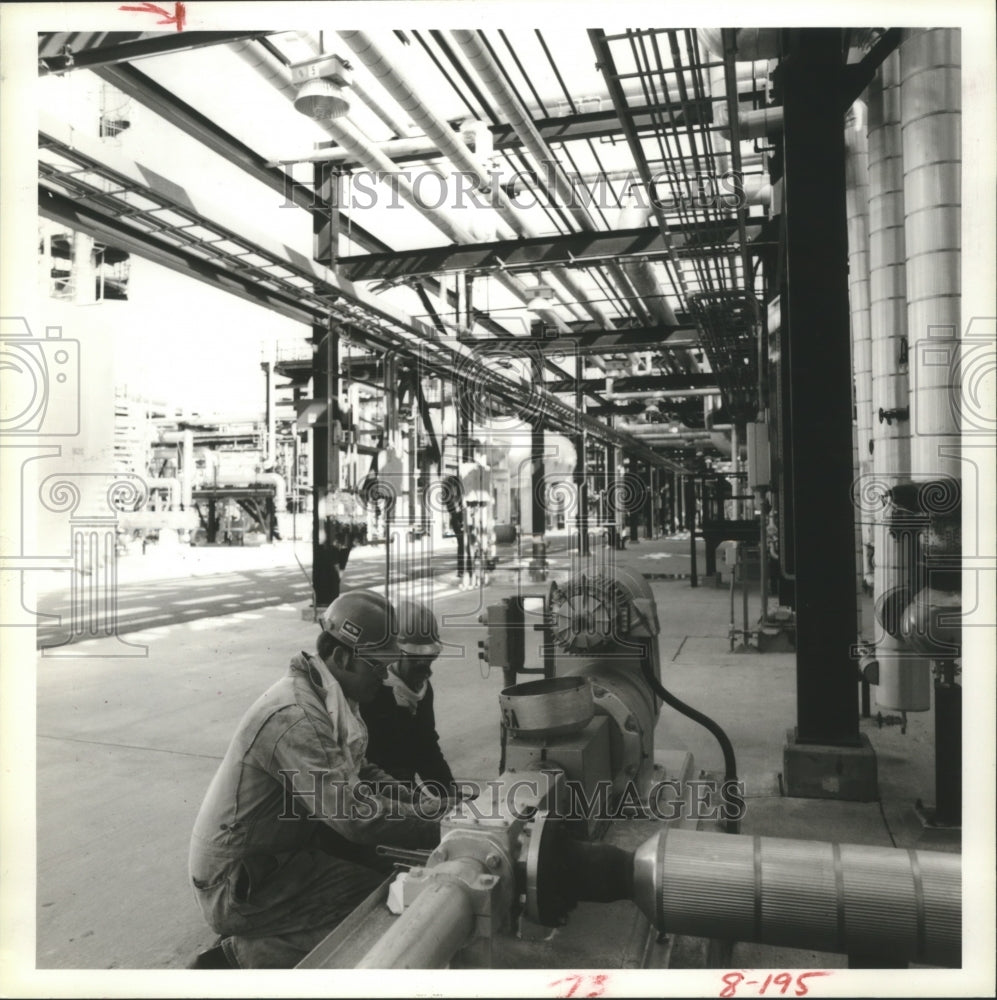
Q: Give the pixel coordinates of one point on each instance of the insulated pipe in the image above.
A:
(453, 147)
(633, 216)
(756, 44)
(857, 208)
(901, 905)
(349, 137)
(280, 488)
(431, 930)
(930, 129)
(522, 124)
(904, 679)
(370, 158)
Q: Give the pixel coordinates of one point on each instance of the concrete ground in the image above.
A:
(126, 747)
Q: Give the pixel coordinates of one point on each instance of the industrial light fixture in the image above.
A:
(541, 300)
(321, 84)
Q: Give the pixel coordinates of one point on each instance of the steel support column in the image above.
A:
(538, 519)
(817, 321)
(330, 551)
(580, 477)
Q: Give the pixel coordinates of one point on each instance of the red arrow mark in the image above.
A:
(178, 17)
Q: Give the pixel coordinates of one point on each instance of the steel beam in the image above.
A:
(529, 254)
(189, 120)
(566, 128)
(640, 383)
(151, 44)
(859, 76)
(377, 324)
(589, 342)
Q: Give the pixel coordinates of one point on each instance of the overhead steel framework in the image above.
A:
(662, 103)
(133, 207)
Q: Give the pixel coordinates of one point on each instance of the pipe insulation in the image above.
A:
(522, 124)
(904, 679)
(453, 147)
(901, 905)
(370, 158)
(930, 119)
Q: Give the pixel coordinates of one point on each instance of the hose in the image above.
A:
(730, 825)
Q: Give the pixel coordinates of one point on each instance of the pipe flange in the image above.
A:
(545, 903)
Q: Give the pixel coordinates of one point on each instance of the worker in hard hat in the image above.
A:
(400, 719)
(295, 782)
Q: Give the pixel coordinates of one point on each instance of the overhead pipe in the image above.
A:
(522, 123)
(453, 147)
(756, 123)
(857, 209)
(423, 146)
(904, 680)
(372, 159)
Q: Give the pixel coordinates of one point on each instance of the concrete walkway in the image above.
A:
(126, 747)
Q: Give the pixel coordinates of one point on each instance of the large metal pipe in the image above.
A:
(904, 679)
(280, 488)
(555, 177)
(930, 127)
(373, 159)
(453, 147)
(431, 930)
(902, 906)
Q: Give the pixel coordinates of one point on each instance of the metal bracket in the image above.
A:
(900, 413)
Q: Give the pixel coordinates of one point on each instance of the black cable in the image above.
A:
(730, 825)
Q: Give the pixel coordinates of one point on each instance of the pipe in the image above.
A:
(431, 930)
(904, 679)
(633, 216)
(754, 44)
(453, 147)
(757, 122)
(902, 905)
(372, 159)
(527, 132)
(280, 488)
(930, 129)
